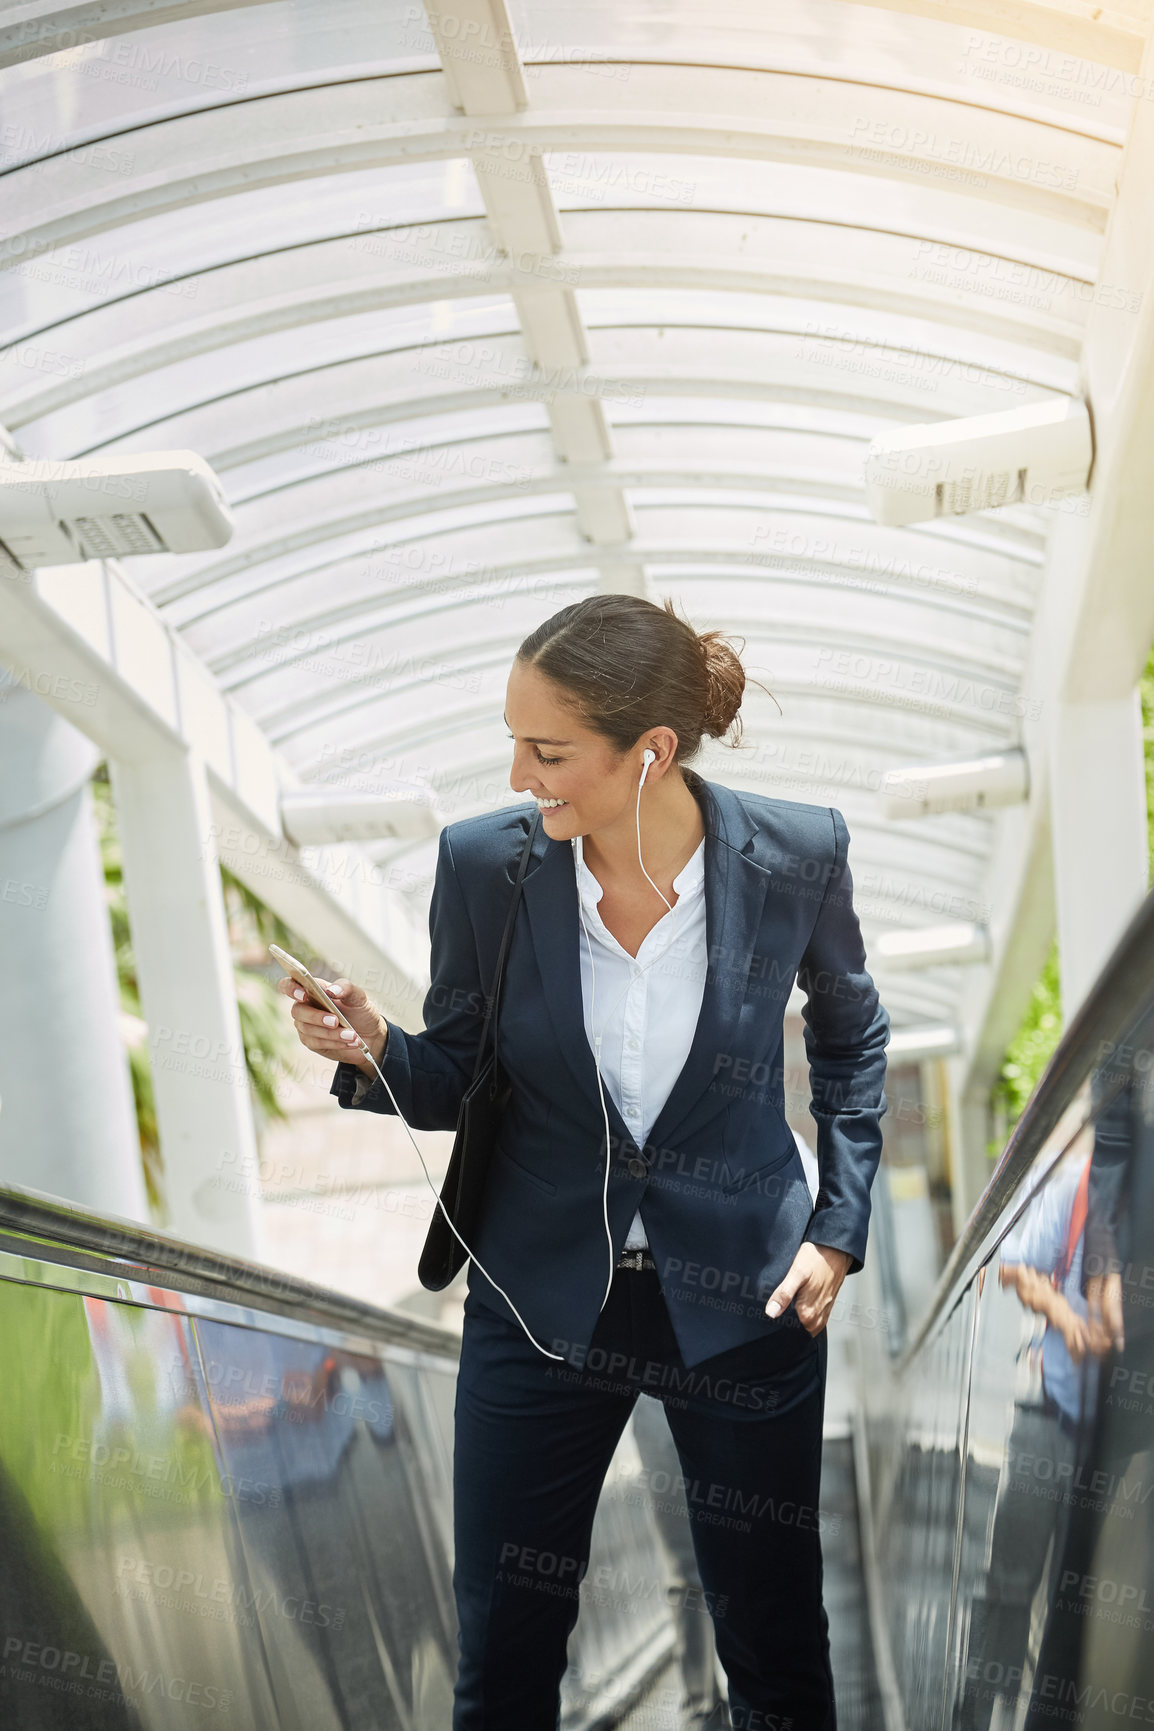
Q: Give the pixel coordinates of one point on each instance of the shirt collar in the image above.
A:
(689, 879)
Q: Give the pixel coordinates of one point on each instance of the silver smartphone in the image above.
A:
(297, 971)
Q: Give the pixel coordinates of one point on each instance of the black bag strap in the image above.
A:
(491, 1001)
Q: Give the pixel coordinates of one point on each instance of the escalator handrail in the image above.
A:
(1109, 1009)
(159, 1258)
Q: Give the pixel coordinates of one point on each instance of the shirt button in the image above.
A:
(634, 1045)
(638, 1168)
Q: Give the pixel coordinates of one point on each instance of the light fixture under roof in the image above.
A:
(319, 817)
(109, 507)
(1038, 455)
(921, 1043)
(971, 784)
(933, 946)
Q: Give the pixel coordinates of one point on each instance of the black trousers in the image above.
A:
(534, 1439)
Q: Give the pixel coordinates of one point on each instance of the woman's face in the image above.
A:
(556, 758)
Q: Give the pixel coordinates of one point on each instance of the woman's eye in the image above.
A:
(540, 759)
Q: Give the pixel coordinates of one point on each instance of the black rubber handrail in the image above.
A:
(159, 1259)
(1123, 988)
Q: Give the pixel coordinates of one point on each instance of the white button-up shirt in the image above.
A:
(646, 1010)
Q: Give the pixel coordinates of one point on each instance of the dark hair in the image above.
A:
(624, 664)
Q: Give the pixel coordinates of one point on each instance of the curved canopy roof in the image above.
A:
(476, 314)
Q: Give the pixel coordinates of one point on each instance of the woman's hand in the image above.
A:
(320, 1031)
(811, 1285)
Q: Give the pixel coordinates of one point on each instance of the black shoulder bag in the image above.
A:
(482, 1108)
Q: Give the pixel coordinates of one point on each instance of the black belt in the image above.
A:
(636, 1260)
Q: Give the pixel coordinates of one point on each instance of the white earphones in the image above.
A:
(647, 757)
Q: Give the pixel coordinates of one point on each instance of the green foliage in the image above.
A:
(1031, 1048)
(269, 1042)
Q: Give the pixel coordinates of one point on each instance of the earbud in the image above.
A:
(649, 757)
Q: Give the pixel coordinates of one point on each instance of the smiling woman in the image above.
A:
(664, 890)
(658, 669)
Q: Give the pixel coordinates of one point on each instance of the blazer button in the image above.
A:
(638, 1168)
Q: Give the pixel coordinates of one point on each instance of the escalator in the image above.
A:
(225, 1493)
(225, 1499)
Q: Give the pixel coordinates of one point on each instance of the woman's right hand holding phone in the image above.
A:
(321, 1032)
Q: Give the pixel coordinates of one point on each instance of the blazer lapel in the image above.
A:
(735, 890)
(550, 896)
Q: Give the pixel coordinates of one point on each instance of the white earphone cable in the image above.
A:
(604, 1109)
(445, 1212)
(597, 1038)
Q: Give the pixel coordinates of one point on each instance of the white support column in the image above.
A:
(1098, 793)
(67, 1120)
(180, 939)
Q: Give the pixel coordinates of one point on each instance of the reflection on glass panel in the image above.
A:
(1052, 1589)
(353, 1607)
(1031, 1384)
(243, 1519)
(123, 1585)
(917, 1544)
(1096, 1648)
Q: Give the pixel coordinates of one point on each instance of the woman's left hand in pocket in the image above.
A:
(811, 1285)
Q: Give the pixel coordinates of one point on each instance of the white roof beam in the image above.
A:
(523, 215)
(40, 27)
(474, 39)
(519, 205)
(761, 116)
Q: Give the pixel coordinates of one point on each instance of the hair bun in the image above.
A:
(724, 682)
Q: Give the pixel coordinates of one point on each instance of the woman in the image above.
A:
(647, 1224)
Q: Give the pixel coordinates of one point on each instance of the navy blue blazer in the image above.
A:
(719, 1182)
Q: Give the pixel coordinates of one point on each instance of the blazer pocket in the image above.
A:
(533, 1177)
(746, 1179)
